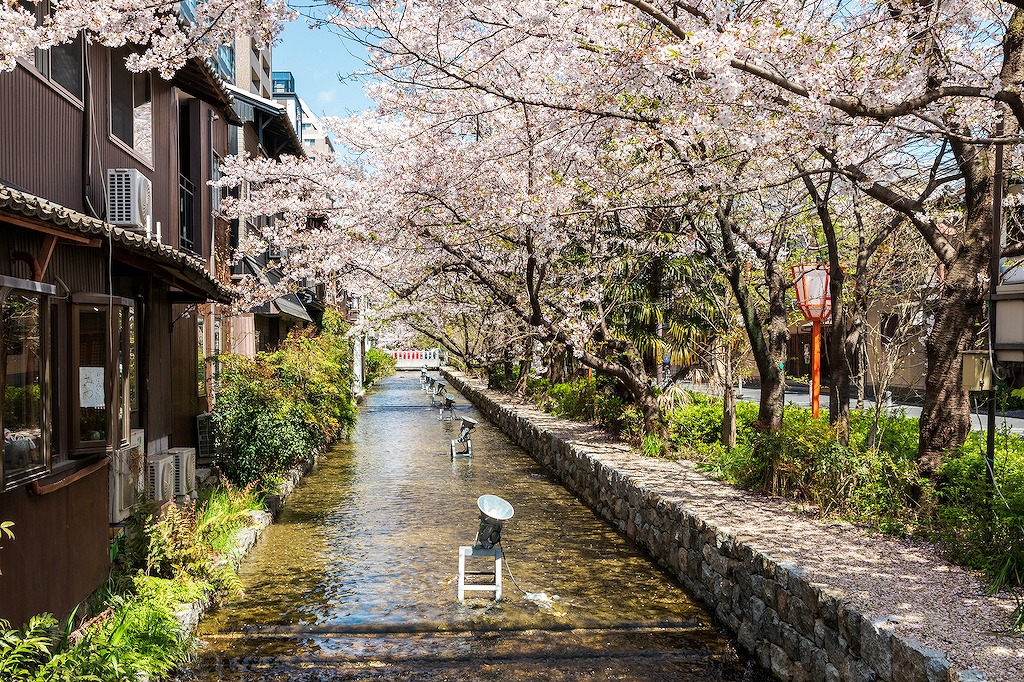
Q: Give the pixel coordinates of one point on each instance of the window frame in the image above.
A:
(41, 11)
(117, 393)
(115, 58)
(9, 285)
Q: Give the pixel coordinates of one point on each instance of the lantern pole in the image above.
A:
(815, 367)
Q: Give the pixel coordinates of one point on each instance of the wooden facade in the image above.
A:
(109, 306)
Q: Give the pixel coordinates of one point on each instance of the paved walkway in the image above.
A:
(799, 395)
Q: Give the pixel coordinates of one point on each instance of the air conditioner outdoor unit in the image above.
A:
(129, 198)
(184, 470)
(161, 477)
(126, 480)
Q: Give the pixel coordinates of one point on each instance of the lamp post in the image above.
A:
(814, 298)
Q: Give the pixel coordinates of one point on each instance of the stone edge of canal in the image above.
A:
(816, 637)
(245, 539)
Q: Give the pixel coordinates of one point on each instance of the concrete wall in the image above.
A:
(800, 631)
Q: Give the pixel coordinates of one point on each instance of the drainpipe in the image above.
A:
(87, 129)
(213, 192)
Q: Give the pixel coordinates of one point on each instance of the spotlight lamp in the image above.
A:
(447, 404)
(439, 389)
(494, 511)
(464, 439)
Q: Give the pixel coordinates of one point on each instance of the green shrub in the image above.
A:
(138, 636)
(985, 528)
(272, 412)
(378, 365)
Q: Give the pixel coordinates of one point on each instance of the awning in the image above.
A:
(272, 120)
(185, 270)
(288, 305)
(200, 80)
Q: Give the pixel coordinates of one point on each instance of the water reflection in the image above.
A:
(359, 574)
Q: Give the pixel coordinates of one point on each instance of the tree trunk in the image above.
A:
(768, 339)
(624, 363)
(524, 366)
(946, 417)
(728, 403)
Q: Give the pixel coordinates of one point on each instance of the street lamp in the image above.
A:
(814, 297)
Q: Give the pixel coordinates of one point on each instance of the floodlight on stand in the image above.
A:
(439, 391)
(447, 403)
(494, 511)
(467, 426)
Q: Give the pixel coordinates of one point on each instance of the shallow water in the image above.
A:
(357, 579)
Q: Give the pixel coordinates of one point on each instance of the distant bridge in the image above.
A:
(414, 358)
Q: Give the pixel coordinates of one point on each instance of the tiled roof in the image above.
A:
(187, 267)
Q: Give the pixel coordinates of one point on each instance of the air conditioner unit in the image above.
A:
(161, 477)
(184, 470)
(129, 198)
(126, 480)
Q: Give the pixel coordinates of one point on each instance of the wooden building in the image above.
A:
(110, 254)
(268, 132)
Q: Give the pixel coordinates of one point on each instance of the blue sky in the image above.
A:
(316, 58)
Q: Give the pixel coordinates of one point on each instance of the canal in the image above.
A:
(357, 579)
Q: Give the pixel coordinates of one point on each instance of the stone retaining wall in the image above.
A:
(800, 631)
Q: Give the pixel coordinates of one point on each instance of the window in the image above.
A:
(102, 373)
(131, 106)
(60, 64)
(24, 318)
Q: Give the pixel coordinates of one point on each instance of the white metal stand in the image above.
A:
(495, 553)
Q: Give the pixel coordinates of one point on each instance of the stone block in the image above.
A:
(771, 627)
(801, 617)
(745, 637)
(771, 591)
(790, 641)
(828, 609)
(830, 642)
(782, 603)
(855, 670)
(781, 664)
(756, 583)
(850, 626)
(914, 662)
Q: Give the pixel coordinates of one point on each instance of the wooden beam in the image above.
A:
(56, 232)
(39, 489)
(46, 253)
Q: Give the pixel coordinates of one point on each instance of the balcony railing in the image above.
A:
(187, 213)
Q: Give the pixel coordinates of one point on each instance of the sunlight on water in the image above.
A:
(357, 579)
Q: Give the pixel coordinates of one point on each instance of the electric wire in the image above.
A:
(508, 568)
(990, 464)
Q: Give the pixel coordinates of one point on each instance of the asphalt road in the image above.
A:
(799, 395)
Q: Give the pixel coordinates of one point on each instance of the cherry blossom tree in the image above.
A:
(166, 36)
(851, 81)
